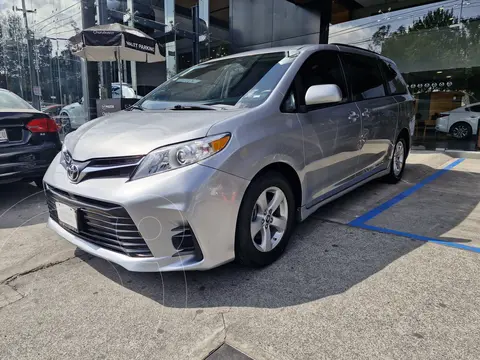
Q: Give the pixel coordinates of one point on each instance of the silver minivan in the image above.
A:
(221, 161)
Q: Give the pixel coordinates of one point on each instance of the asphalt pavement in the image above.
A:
(339, 292)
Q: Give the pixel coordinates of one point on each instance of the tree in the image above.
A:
(437, 41)
(431, 42)
(13, 54)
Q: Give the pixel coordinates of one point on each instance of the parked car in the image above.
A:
(73, 116)
(220, 161)
(461, 122)
(28, 140)
(53, 110)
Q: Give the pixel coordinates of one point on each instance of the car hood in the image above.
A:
(129, 133)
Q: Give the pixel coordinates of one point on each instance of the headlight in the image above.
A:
(179, 155)
(64, 155)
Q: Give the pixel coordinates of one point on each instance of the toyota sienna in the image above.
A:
(219, 162)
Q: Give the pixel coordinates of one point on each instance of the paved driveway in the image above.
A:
(339, 292)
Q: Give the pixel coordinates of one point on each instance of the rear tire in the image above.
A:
(265, 221)
(397, 164)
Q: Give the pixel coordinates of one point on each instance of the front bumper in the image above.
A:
(442, 124)
(26, 162)
(206, 199)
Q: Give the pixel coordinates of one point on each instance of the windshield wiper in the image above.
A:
(193, 107)
(134, 107)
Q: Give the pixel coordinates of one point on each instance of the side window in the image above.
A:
(322, 68)
(363, 77)
(475, 108)
(289, 104)
(395, 82)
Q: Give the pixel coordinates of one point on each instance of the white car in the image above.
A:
(461, 122)
(73, 116)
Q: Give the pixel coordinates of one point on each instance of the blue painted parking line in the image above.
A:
(360, 222)
(388, 204)
(420, 237)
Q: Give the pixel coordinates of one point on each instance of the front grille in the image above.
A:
(123, 161)
(101, 223)
(121, 167)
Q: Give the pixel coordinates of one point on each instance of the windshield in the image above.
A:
(242, 81)
(9, 100)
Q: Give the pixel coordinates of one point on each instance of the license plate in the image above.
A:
(67, 215)
(3, 135)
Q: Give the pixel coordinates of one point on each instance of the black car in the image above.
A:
(28, 140)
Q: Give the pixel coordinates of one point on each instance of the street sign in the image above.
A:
(37, 91)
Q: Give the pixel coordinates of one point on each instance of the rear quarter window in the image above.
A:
(395, 82)
(364, 78)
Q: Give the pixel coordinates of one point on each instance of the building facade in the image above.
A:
(436, 45)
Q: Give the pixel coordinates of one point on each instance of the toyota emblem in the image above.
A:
(72, 172)
(67, 157)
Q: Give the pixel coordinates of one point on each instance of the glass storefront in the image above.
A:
(437, 48)
(58, 72)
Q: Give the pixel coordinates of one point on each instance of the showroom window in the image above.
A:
(436, 47)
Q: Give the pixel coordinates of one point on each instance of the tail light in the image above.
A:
(42, 125)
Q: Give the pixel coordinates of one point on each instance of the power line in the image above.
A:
(426, 8)
(61, 32)
(58, 12)
(55, 23)
(376, 22)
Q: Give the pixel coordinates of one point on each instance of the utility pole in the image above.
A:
(33, 78)
(105, 66)
(133, 64)
(59, 73)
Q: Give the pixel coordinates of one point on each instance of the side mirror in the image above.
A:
(323, 94)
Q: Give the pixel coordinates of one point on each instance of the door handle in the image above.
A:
(353, 116)
(366, 113)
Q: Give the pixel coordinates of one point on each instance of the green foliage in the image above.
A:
(435, 41)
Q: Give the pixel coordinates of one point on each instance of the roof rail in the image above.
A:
(355, 47)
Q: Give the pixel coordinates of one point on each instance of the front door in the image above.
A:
(331, 131)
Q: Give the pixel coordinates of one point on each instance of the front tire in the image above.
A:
(397, 165)
(265, 221)
(461, 131)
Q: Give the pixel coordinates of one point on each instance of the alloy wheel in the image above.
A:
(269, 219)
(460, 132)
(398, 158)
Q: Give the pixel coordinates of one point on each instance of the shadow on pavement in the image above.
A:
(21, 204)
(322, 260)
(446, 209)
